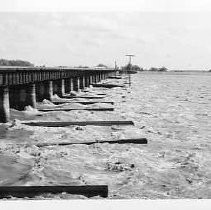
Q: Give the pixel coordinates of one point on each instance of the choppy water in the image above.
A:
(172, 110)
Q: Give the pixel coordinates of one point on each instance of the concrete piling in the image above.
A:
(40, 91)
(4, 105)
(67, 84)
(59, 87)
(87, 81)
(23, 95)
(48, 90)
(71, 84)
(31, 95)
(81, 83)
(75, 84)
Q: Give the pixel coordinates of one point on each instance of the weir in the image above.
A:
(23, 86)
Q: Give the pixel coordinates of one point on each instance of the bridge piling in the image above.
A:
(4, 105)
(87, 81)
(71, 84)
(22, 95)
(97, 78)
(94, 77)
(78, 83)
(40, 91)
(67, 84)
(75, 84)
(81, 83)
(90, 79)
(59, 87)
(84, 81)
(30, 95)
(48, 90)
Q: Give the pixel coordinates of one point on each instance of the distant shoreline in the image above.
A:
(190, 70)
(178, 71)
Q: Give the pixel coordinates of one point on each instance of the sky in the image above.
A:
(174, 34)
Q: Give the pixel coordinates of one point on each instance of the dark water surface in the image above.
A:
(172, 110)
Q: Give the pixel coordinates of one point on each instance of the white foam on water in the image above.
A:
(170, 110)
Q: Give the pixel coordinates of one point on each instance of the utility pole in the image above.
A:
(115, 66)
(130, 58)
(129, 65)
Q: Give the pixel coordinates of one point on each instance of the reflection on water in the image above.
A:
(171, 109)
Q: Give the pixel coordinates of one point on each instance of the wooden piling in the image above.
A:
(72, 109)
(83, 102)
(4, 105)
(59, 87)
(79, 123)
(30, 95)
(48, 92)
(106, 85)
(32, 191)
(75, 84)
(120, 141)
(114, 77)
(85, 97)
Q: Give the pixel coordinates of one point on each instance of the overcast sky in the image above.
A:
(174, 35)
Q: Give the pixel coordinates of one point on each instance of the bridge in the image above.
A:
(23, 86)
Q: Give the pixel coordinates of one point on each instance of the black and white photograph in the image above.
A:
(105, 101)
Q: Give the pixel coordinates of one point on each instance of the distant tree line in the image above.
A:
(132, 67)
(102, 65)
(97, 66)
(4, 62)
(158, 69)
(81, 66)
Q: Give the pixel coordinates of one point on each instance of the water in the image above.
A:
(172, 110)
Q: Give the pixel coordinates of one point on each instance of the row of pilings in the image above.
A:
(21, 95)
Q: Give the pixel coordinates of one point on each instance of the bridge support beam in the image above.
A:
(98, 77)
(78, 80)
(59, 87)
(94, 78)
(4, 105)
(90, 79)
(22, 95)
(48, 90)
(44, 90)
(87, 81)
(81, 82)
(75, 84)
(31, 95)
(71, 84)
(84, 81)
(103, 75)
(67, 84)
(40, 91)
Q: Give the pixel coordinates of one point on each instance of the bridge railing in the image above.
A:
(23, 75)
